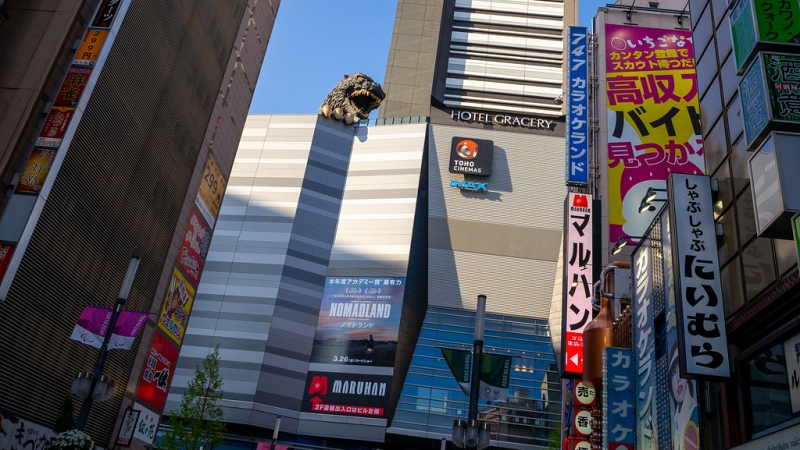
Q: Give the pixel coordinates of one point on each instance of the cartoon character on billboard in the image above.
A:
(685, 435)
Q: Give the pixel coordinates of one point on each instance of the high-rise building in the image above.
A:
(346, 257)
(115, 115)
(746, 80)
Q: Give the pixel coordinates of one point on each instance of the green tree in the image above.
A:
(198, 422)
(554, 443)
(66, 416)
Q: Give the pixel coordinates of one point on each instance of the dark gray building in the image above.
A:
(112, 110)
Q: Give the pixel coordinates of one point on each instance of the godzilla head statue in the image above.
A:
(353, 98)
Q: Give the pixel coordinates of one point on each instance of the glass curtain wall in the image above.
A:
(431, 399)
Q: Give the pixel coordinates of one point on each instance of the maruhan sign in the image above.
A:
(534, 123)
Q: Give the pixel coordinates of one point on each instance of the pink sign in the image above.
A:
(194, 248)
(653, 120)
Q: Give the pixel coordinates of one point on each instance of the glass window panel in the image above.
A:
(768, 388)
(786, 254)
(732, 291)
(759, 270)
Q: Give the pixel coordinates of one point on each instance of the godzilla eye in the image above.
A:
(359, 77)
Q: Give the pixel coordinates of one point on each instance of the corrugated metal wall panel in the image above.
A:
(513, 286)
(377, 215)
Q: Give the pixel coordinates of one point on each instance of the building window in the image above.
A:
(654, 5)
(770, 376)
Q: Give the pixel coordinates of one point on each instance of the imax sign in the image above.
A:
(468, 185)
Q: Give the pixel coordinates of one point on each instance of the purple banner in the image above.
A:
(93, 325)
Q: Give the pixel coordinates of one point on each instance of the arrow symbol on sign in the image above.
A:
(574, 359)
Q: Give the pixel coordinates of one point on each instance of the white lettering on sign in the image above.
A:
(502, 119)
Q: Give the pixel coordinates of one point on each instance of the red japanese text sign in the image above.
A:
(578, 268)
(158, 371)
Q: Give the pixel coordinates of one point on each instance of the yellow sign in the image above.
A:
(177, 307)
(212, 187)
(90, 47)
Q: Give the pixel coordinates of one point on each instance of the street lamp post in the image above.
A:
(470, 435)
(125, 289)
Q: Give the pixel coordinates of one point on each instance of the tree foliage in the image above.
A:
(554, 443)
(198, 422)
(66, 416)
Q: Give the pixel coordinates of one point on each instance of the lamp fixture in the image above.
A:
(651, 193)
(621, 243)
(646, 206)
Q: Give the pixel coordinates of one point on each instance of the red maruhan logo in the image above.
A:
(319, 385)
(580, 201)
(467, 149)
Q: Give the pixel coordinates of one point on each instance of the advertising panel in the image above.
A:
(582, 422)
(127, 427)
(90, 47)
(212, 188)
(743, 32)
(6, 252)
(158, 371)
(105, 13)
(644, 345)
(653, 119)
(177, 307)
(55, 126)
(73, 86)
(35, 171)
(702, 338)
(795, 231)
(577, 119)
(194, 248)
(359, 321)
(585, 394)
(775, 78)
(683, 393)
(618, 403)
(578, 286)
(347, 394)
(147, 423)
(471, 156)
(791, 350)
(775, 22)
(17, 433)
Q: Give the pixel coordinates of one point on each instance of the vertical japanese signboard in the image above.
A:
(653, 118)
(619, 411)
(177, 306)
(577, 118)
(770, 90)
(702, 338)
(796, 233)
(791, 350)
(578, 286)
(158, 372)
(212, 188)
(644, 345)
(767, 21)
(683, 393)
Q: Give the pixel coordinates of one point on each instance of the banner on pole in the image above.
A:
(495, 373)
(93, 324)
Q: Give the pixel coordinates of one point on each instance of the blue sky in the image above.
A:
(316, 42)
